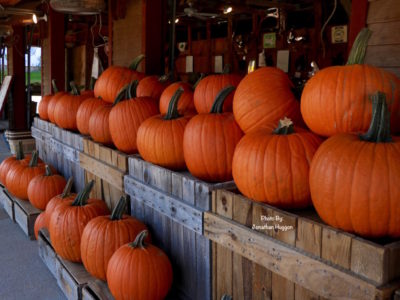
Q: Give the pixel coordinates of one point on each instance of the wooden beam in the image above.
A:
(57, 49)
(111, 4)
(359, 11)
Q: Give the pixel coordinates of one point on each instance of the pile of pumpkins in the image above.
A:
(254, 131)
(113, 247)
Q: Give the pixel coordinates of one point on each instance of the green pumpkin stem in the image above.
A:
(119, 210)
(359, 48)
(19, 151)
(227, 69)
(285, 127)
(139, 240)
(131, 90)
(379, 129)
(67, 189)
(135, 63)
(34, 159)
(48, 171)
(122, 95)
(92, 83)
(202, 75)
(54, 85)
(220, 99)
(74, 88)
(83, 196)
(172, 112)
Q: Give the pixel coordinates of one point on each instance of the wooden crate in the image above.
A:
(46, 251)
(8, 202)
(107, 167)
(96, 290)
(172, 205)
(42, 142)
(252, 259)
(25, 216)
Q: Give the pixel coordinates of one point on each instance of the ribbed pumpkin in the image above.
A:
(336, 99)
(210, 140)
(272, 166)
(40, 223)
(85, 110)
(103, 235)
(354, 179)
(7, 164)
(149, 266)
(43, 188)
(114, 78)
(264, 96)
(126, 117)
(208, 88)
(185, 105)
(99, 128)
(53, 102)
(20, 175)
(152, 86)
(44, 103)
(69, 219)
(160, 138)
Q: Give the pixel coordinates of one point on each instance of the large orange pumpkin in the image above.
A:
(7, 164)
(84, 112)
(210, 140)
(336, 99)
(148, 264)
(103, 235)
(53, 102)
(99, 128)
(272, 166)
(354, 179)
(264, 96)
(152, 86)
(126, 117)
(208, 88)
(20, 175)
(160, 138)
(114, 78)
(185, 105)
(43, 188)
(69, 219)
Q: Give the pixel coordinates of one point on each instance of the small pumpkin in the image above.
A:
(69, 219)
(354, 179)
(43, 188)
(152, 86)
(208, 88)
(272, 166)
(103, 235)
(126, 117)
(114, 78)
(210, 140)
(53, 102)
(160, 138)
(147, 263)
(185, 105)
(40, 223)
(7, 164)
(19, 177)
(99, 128)
(84, 112)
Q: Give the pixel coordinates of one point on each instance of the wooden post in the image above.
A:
(209, 48)
(359, 10)
(110, 31)
(57, 49)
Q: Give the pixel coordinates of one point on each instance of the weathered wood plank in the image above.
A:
(336, 247)
(65, 150)
(309, 236)
(8, 203)
(46, 251)
(387, 33)
(96, 290)
(383, 55)
(383, 11)
(25, 216)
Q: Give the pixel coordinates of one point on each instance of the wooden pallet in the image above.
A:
(172, 205)
(308, 261)
(107, 167)
(72, 278)
(7, 202)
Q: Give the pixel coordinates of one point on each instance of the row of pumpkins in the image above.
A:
(83, 230)
(251, 129)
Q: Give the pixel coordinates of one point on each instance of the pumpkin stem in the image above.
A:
(67, 189)
(220, 99)
(54, 85)
(172, 112)
(92, 83)
(227, 69)
(202, 75)
(285, 127)
(166, 77)
(48, 171)
(131, 90)
(122, 95)
(135, 63)
(75, 89)
(139, 240)
(379, 129)
(119, 209)
(20, 151)
(359, 48)
(83, 196)
(226, 297)
(34, 160)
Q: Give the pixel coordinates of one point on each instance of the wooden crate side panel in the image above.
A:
(46, 251)
(25, 216)
(383, 11)
(96, 290)
(336, 247)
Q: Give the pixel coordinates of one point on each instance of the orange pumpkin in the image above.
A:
(152, 86)
(53, 102)
(99, 128)
(354, 179)
(126, 117)
(84, 112)
(336, 99)
(103, 235)
(44, 103)
(160, 138)
(210, 140)
(40, 223)
(185, 105)
(69, 219)
(114, 78)
(43, 188)
(272, 166)
(148, 264)
(7, 164)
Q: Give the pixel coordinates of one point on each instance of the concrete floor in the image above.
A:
(23, 276)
